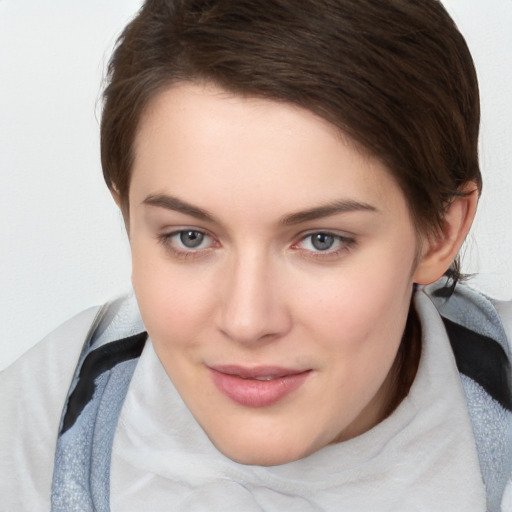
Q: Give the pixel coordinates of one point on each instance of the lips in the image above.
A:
(257, 387)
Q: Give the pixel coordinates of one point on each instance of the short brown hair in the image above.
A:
(395, 75)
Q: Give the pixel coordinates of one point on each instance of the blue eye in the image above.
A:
(187, 242)
(324, 242)
(191, 239)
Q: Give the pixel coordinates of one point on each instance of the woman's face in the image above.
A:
(273, 264)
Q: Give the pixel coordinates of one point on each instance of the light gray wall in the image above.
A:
(62, 242)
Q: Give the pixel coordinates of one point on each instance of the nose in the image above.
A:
(253, 305)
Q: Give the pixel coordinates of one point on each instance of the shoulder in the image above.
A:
(504, 309)
(479, 329)
(32, 393)
(476, 326)
(473, 319)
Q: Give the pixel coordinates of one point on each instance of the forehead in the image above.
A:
(200, 142)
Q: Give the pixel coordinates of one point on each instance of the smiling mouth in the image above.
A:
(257, 387)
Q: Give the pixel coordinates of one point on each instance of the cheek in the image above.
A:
(175, 301)
(358, 326)
(368, 301)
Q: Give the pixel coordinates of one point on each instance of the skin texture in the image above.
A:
(256, 291)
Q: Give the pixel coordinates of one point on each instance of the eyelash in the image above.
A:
(167, 241)
(345, 245)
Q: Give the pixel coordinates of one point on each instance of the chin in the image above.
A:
(261, 452)
(257, 458)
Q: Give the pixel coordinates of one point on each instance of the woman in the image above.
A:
(292, 175)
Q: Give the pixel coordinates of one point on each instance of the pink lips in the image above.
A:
(257, 387)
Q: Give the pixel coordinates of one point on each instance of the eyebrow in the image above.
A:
(175, 204)
(335, 207)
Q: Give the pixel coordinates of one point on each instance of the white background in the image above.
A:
(62, 241)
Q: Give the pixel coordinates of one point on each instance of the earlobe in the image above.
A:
(441, 249)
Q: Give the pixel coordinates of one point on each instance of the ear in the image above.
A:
(440, 250)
